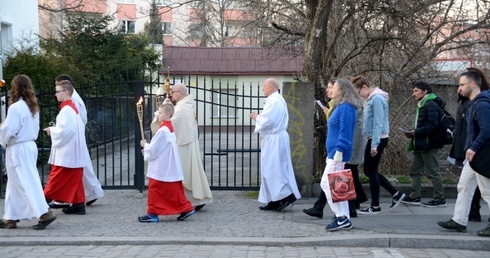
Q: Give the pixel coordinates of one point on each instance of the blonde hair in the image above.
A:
(168, 108)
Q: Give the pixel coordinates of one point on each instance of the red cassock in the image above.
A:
(65, 185)
(167, 198)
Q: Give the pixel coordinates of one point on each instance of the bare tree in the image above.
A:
(392, 42)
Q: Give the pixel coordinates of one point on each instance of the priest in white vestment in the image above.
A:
(278, 187)
(91, 184)
(24, 197)
(184, 121)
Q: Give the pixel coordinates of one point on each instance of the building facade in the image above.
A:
(207, 23)
(18, 25)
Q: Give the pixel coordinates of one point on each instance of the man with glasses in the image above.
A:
(195, 182)
(478, 117)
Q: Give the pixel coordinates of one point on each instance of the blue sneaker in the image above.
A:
(339, 223)
(148, 218)
(186, 215)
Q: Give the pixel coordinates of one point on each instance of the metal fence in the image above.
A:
(229, 148)
(230, 151)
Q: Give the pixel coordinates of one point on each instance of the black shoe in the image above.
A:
(199, 207)
(76, 209)
(474, 214)
(270, 206)
(453, 225)
(283, 205)
(286, 202)
(43, 224)
(316, 210)
(90, 202)
(54, 205)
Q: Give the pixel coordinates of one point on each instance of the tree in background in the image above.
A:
(153, 28)
(390, 42)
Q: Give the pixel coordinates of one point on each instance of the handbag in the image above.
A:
(342, 186)
(481, 161)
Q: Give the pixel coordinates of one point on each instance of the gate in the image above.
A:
(230, 151)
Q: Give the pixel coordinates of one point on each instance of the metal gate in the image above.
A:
(230, 151)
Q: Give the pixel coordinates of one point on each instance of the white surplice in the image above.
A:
(91, 184)
(68, 145)
(277, 174)
(163, 157)
(195, 182)
(24, 198)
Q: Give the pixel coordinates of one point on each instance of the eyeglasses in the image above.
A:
(58, 91)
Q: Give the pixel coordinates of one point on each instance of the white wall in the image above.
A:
(19, 25)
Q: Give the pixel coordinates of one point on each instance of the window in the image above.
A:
(126, 1)
(224, 103)
(167, 28)
(196, 30)
(127, 26)
(163, 2)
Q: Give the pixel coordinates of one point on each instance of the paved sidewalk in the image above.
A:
(234, 219)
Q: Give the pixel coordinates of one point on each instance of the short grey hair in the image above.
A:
(180, 87)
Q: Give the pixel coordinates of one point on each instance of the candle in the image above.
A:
(139, 110)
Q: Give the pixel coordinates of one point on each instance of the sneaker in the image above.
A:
(148, 218)
(453, 225)
(339, 223)
(411, 201)
(434, 203)
(186, 215)
(397, 198)
(484, 232)
(370, 211)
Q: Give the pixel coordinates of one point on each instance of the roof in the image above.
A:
(231, 60)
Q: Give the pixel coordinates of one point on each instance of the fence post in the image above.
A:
(300, 129)
(139, 176)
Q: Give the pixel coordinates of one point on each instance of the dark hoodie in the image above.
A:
(479, 128)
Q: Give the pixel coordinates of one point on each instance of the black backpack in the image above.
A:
(447, 124)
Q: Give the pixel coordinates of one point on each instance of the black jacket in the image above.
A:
(427, 132)
(458, 151)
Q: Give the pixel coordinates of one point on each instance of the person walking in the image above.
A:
(165, 190)
(24, 198)
(68, 156)
(341, 126)
(425, 144)
(91, 184)
(478, 117)
(278, 188)
(196, 184)
(457, 153)
(376, 130)
(353, 164)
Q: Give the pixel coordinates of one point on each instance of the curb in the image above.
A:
(381, 240)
